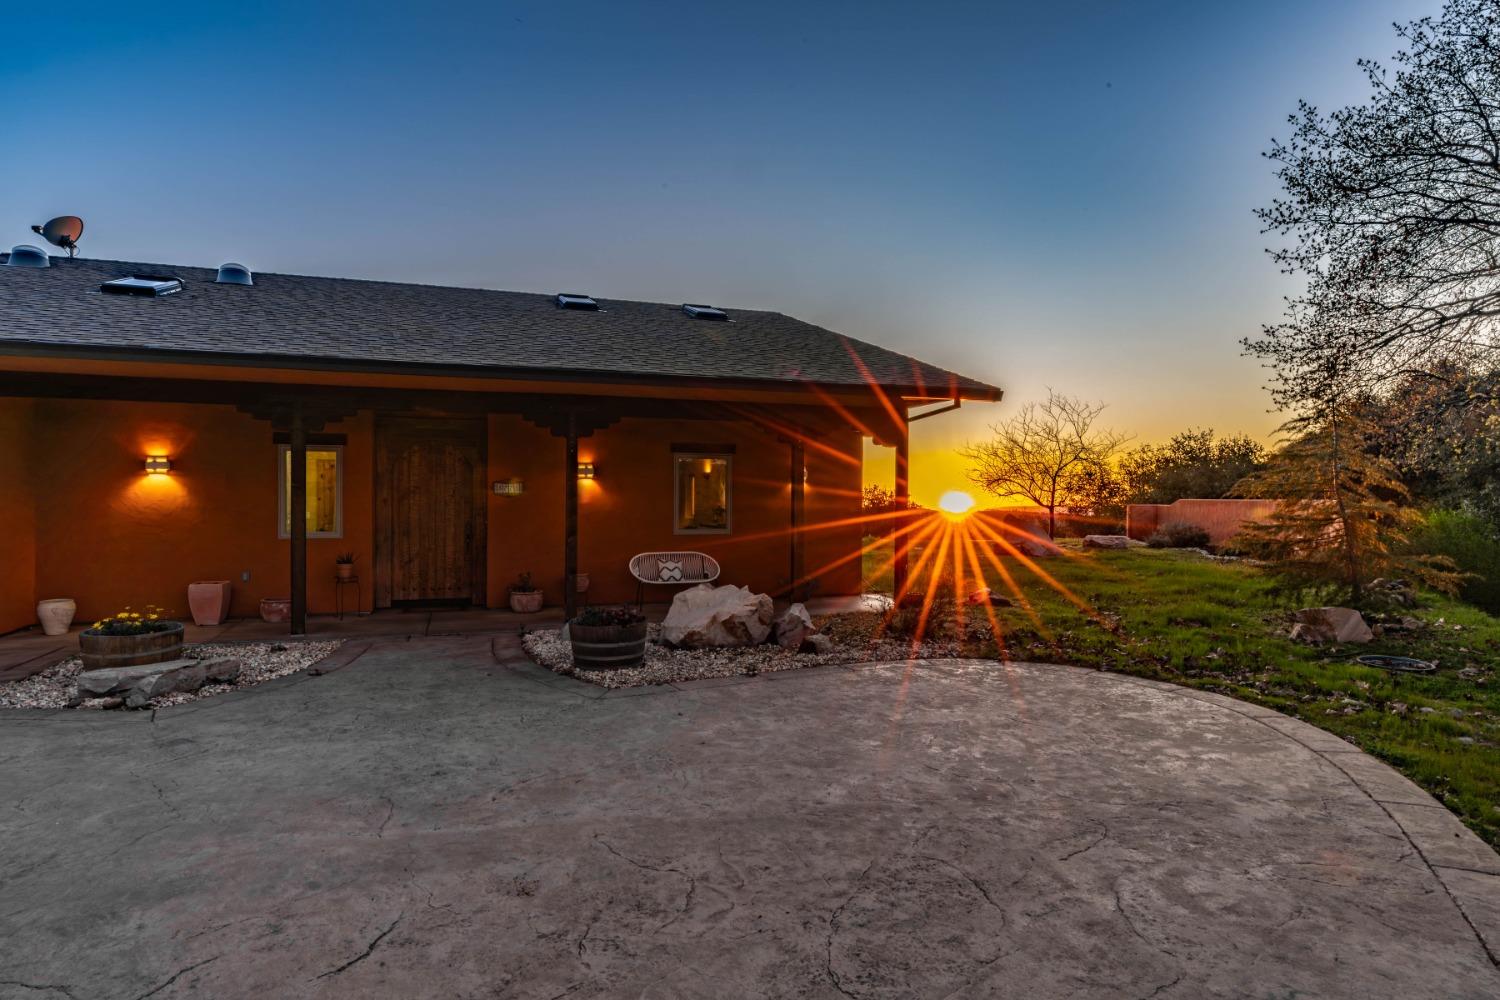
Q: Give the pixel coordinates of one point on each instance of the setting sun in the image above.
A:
(956, 503)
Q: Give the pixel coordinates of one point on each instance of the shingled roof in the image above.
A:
(293, 320)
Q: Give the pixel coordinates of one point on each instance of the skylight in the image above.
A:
(26, 255)
(704, 312)
(572, 300)
(143, 284)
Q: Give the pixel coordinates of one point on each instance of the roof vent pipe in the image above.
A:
(234, 274)
(26, 255)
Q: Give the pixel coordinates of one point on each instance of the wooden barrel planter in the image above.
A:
(100, 651)
(607, 647)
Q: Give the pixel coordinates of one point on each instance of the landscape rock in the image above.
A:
(793, 627)
(817, 643)
(221, 670)
(984, 596)
(1036, 548)
(1330, 625)
(708, 616)
(1111, 542)
(187, 678)
(1396, 591)
(118, 680)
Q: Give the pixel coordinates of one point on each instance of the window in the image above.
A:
(325, 491)
(701, 494)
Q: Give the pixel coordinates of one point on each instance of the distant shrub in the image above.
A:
(1471, 542)
(1072, 525)
(1178, 535)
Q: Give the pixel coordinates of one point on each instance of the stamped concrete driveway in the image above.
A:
(432, 821)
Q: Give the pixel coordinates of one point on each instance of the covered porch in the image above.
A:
(444, 492)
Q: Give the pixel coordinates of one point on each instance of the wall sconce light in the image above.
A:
(586, 470)
(508, 487)
(158, 464)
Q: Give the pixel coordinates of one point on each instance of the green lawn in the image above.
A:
(1177, 616)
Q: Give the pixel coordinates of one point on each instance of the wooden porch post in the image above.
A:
(799, 517)
(570, 519)
(298, 510)
(900, 569)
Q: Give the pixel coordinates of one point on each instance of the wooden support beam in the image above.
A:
(901, 568)
(298, 509)
(570, 519)
(798, 587)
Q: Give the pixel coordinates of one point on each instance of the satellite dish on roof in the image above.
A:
(62, 231)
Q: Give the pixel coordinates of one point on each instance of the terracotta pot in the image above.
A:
(607, 647)
(345, 570)
(100, 651)
(56, 615)
(526, 602)
(275, 609)
(209, 601)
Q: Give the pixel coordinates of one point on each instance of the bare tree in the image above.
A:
(1391, 210)
(1049, 453)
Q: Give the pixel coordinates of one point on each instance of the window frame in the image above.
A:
(284, 489)
(728, 459)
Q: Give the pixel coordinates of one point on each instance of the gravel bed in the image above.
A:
(57, 686)
(664, 664)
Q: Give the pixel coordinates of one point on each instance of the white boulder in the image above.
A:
(794, 625)
(1330, 625)
(1035, 546)
(709, 616)
(1111, 542)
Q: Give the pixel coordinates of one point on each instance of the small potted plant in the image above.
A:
(343, 564)
(608, 638)
(525, 599)
(129, 638)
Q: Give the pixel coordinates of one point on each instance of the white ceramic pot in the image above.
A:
(56, 615)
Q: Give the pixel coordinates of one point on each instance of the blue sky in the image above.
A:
(1038, 195)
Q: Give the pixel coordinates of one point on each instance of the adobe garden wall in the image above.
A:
(1222, 519)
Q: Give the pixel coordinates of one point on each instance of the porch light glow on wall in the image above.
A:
(158, 465)
(586, 470)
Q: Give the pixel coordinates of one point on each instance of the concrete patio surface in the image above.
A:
(440, 817)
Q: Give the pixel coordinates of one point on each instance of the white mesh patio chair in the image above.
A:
(671, 569)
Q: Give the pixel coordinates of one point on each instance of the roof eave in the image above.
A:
(21, 348)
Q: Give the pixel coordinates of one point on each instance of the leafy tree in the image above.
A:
(1345, 518)
(1391, 210)
(1193, 464)
(876, 499)
(1050, 453)
(1442, 432)
(1098, 495)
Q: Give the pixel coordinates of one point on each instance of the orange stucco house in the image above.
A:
(161, 425)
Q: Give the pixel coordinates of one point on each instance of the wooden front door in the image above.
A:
(429, 511)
